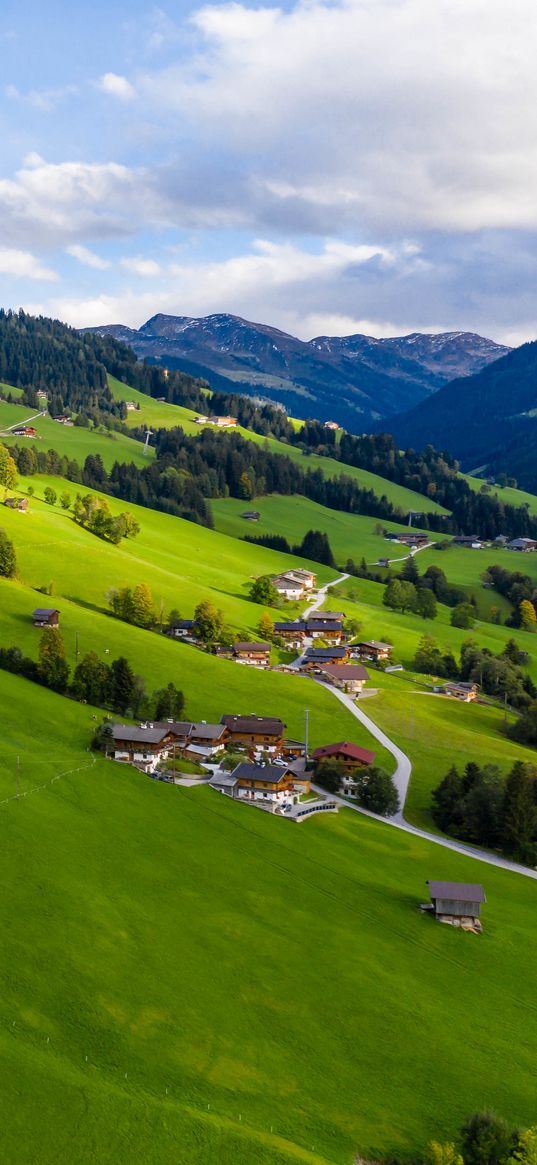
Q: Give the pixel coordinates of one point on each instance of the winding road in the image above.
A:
(401, 776)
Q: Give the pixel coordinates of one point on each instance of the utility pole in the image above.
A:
(306, 732)
(161, 614)
(17, 779)
(77, 652)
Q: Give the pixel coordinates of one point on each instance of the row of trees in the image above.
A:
(480, 806)
(315, 546)
(135, 605)
(94, 514)
(497, 675)
(519, 590)
(93, 681)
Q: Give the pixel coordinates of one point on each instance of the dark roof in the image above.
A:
(326, 617)
(269, 774)
(139, 735)
(353, 751)
(297, 626)
(348, 671)
(178, 727)
(209, 731)
(322, 653)
(461, 891)
(264, 724)
(251, 647)
(183, 623)
(44, 612)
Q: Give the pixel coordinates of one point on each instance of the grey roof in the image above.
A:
(209, 731)
(178, 727)
(139, 735)
(269, 774)
(326, 616)
(376, 643)
(345, 671)
(44, 612)
(228, 780)
(461, 891)
(322, 653)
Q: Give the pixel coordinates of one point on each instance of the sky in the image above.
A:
(327, 167)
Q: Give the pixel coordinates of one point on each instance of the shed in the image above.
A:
(457, 903)
(45, 617)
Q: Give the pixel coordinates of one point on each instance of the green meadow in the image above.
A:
(73, 442)
(506, 494)
(350, 535)
(185, 979)
(153, 414)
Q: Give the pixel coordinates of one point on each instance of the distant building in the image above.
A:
(457, 903)
(414, 539)
(144, 745)
(331, 425)
(257, 654)
(318, 657)
(523, 545)
(20, 504)
(46, 617)
(289, 588)
(24, 431)
(63, 419)
(200, 420)
(251, 515)
(222, 422)
(274, 786)
(293, 633)
(470, 541)
(257, 734)
(132, 407)
(181, 629)
(462, 691)
(373, 649)
(349, 678)
(307, 577)
(347, 754)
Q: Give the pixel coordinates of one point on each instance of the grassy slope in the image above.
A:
(183, 563)
(512, 497)
(295, 990)
(72, 442)
(350, 535)
(166, 416)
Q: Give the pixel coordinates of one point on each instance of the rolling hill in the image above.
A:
(488, 421)
(351, 379)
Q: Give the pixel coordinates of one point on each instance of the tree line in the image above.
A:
(114, 686)
(499, 675)
(484, 1139)
(479, 806)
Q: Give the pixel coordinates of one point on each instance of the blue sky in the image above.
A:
(326, 167)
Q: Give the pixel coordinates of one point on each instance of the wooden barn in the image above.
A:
(457, 903)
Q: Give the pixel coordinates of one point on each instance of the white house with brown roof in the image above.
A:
(348, 677)
(288, 587)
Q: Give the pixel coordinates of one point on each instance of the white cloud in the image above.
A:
(116, 86)
(44, 100)
(22, 264)
(403, 114)
(88, 258)
(147, 268)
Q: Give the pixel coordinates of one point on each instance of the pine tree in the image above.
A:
(520, 812)
(169, 703)
(122, 685)
(52, 666)
(91, 680)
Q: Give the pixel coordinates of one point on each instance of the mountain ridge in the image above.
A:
(355, 380)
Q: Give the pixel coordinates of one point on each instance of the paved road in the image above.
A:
(321, 596)
(19, 424)
(401, 779)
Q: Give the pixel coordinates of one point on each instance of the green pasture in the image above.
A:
(350, 535)
(508, 495)
(152, 413)
(436, 732)
(73, 442)
(185, 979)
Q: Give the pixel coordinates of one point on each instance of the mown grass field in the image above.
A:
(508, 495)
(153, 413)
(74, 442)
(350, 535)
(188, 980)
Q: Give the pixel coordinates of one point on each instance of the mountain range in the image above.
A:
(488, 421)
(354, 380)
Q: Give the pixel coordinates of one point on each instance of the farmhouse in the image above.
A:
(131, 406)
(143, 746)
(413, 540)
(20, 504)
(306, 577)
(222, 422)
(290, 588)
(222, 651)
(326, 617)
(331, 425)
(251, 515)
(523, 545)
(181, 629)
(293, 633)
(349, 678)
(457, 903)
(461, 691)
(347, 754)
(374, 650)
(256, 654)
(470, 541)
(210, 736)
(24, 431)
(317, 657)
(63, 419)
(255, 733)
(45, 617)
(273, 786)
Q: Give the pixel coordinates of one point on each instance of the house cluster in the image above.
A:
(220, 422)
(259, 737)
(295, 584)
(502, 542)
(327, 625)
